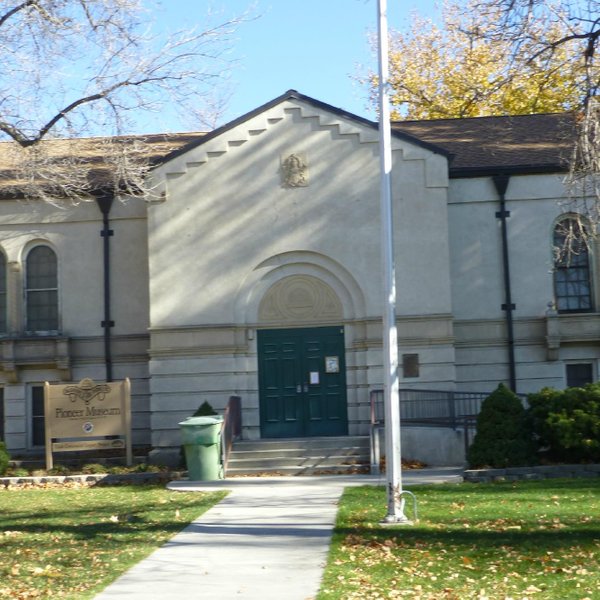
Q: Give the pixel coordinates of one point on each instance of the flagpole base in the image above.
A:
(396, 520)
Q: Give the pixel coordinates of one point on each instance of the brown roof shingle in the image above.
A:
(85, 158)
(480, 145)
(476, 146)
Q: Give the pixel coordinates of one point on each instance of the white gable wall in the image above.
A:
(229, 229)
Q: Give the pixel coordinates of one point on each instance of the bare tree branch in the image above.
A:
(15, 10)
(90, 67)
(516, 21)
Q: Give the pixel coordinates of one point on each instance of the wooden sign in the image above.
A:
(87, 416)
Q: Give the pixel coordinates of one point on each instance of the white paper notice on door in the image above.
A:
(332, 364)
(314, 378)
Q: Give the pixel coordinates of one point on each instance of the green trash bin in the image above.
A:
(202, 443)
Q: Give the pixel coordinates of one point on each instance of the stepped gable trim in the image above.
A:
(294, 95)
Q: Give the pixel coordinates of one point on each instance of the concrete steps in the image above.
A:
(300, 456)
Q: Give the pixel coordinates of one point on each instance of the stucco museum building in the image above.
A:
(254, 270)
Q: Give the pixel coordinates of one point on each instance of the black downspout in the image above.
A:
(501, 183)
(104, 204)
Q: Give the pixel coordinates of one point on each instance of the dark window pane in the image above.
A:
(2, 274)
(580, 374)
(410, 365)
(2, 293)
(1, 413)
(38, 434)
(42, 311)
(42, 293)
(572, 284)
(41, 268)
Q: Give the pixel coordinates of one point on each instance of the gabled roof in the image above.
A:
(491, 145)
(473, 146)
(294, 95)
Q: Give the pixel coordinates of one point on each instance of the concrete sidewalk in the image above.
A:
(268, 539)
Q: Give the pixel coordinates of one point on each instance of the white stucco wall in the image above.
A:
(534, 202)
(74, 234)
(229, 228)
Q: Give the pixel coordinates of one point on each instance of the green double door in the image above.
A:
(302, 382)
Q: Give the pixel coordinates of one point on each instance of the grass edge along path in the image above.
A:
(514, 540)
(71, 542)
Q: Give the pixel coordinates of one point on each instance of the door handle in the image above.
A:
(298, 389)
(306, 387)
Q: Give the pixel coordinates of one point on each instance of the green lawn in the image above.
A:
(534, 540)
(70, 543)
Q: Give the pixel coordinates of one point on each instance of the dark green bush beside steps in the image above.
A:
(567, 423)
(4, 458)
(205, 410)
(503, 437)
(558, 427)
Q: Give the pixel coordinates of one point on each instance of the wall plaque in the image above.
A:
(332, 364)
(295, 170)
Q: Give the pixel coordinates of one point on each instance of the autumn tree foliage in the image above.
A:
(460, 69)
(541, 30)
(74, 68)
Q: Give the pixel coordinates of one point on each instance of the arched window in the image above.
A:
(41, 290)
(3, 327)
(572, 282)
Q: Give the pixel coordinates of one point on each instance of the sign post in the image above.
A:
(87, 416)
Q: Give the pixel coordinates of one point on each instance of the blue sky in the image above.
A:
(313, 46)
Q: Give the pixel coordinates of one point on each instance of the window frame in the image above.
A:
(2, 414)
(34, 414)
(27, 291)
(4, 294)
(575, 275)
(588, 363)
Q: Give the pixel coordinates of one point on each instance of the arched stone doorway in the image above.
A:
(301, 369)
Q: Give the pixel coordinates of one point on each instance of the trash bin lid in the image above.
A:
(195, 421)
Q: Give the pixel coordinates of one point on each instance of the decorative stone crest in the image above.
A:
(300, 298)
(295, 171)
(87, 390)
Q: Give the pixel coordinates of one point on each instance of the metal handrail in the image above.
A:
(432, 408)
(231, 429)
(376, 425)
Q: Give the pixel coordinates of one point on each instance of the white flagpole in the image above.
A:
(393, 461)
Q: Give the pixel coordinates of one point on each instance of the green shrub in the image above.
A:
(94, 469)
(4, 458)
(17, 472)
(567, 423)
(503, 438)
(146, 468)
(59, 470)
(205, 410)
(118, 470)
